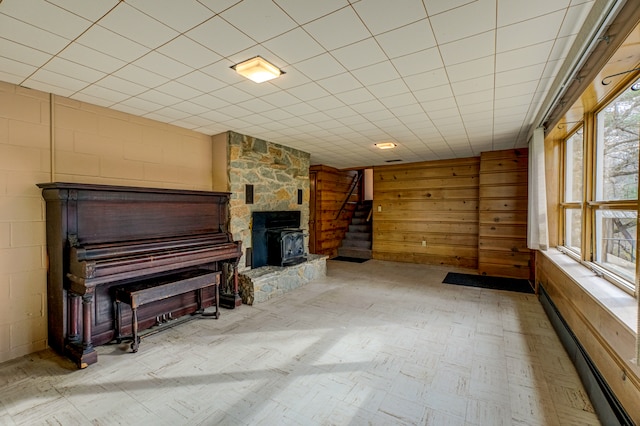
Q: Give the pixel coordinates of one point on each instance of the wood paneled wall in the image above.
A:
(332, 186)
(427, 212)
(610, 343)
(502, 245)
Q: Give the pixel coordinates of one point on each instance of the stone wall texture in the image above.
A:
(276, 173)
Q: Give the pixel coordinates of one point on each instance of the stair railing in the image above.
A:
(354, 184)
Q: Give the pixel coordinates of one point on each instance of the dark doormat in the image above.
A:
(349, 259)
(494, 283)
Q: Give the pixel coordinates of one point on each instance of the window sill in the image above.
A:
(619, 303)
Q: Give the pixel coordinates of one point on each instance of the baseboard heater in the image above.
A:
(605, 403)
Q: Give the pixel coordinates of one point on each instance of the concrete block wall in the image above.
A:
(92, 145)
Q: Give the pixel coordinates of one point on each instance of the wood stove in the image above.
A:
(277, 239)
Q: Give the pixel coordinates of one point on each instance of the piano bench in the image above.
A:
(149, 290)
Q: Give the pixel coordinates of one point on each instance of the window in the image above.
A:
(573, 193)
(600, 224)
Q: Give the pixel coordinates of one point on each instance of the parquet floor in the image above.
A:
(377, 343)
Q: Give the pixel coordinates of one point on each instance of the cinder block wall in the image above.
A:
(91, 144)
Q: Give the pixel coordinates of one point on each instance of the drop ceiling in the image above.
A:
(440, 78)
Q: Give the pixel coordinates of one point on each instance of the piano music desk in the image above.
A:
(150, 290)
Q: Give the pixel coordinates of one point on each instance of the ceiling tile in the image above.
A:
(561, 48)
(188, 107)
(340, 83)
(113, 82)
(208, 101)
(419, 62)
(360, 54)
(516, 90)
(351, 29)
(388, 88)
(434, 93)
(372, 110)
(159, 98)
(143, 106)
(294, 46)
(528, 33)
(112, 44)
(320, 67)
(355, 96)
(469, 48)
(408, 39)
(327, 103)
(163, 65)
(232, 94)
(377, 73)
(400, 100)
(519, 75)
(57, 80)
(31, 36)
(381, 15)
(531, 55)
(48, 17)
(256, 105)
(84, 97)
(22, 53)
(91, 58)
(178, 90)
(140, 76)
(308, 91)
(190, 53)
(18, 70)
(259, 19)
(181, 16)
(303, 12)
(110, 95)
(471, 19)
(471, 70)
(575, 17)
(427, 79)
(219, 6)
(200, 81)
(220, 36)
(90, 10)
(513, 11)
(280, 99)
(74, 70)
(135, 25)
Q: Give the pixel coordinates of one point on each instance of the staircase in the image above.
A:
(357, 241)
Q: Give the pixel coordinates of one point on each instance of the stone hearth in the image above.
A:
(261, 284)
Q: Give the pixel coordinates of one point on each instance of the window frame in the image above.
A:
(589, 206)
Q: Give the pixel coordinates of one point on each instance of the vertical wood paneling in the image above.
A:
(332, 186)
(427, 212)
(502, 238)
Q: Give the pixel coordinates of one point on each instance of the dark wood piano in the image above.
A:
(102, 237)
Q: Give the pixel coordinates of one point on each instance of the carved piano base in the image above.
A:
(230, 301)
(82, 357)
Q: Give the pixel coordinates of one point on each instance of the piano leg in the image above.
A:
(82, 352)
(134, 328)
(73, 335)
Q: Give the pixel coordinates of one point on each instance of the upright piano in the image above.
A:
(102, 236)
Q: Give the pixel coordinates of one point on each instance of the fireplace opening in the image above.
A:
(277, 239)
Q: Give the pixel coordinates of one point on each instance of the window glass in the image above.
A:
(574, 167)
(573, 229)
(616, 241)
(617, 148)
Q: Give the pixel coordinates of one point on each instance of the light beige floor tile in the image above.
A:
(378, 343)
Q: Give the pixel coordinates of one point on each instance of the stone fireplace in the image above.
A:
(266, 177)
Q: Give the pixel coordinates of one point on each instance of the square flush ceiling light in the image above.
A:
(386, 145)
(257, 69)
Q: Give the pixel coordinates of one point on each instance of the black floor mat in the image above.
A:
(350, 259)
(494, 283)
